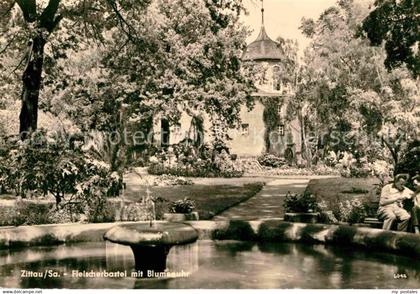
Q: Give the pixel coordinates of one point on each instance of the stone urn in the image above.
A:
(181, 217)
(302, 217)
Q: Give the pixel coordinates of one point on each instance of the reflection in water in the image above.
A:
(118, 257)
(180, 258)
(222, 264)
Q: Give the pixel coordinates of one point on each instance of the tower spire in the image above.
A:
(263, 35)
(262, 13)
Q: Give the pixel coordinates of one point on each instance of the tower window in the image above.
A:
(165, 132)
(177, 129)
(279, 109)
(281, 130)
(245, 129)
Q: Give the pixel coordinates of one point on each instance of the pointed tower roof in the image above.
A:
(263, 48)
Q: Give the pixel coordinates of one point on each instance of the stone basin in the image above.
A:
(151, 244)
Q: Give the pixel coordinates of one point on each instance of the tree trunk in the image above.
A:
(31, 79)
(306, 149)
(394, 154)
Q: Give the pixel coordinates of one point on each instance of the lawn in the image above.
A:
(336, 190)
(209, 200)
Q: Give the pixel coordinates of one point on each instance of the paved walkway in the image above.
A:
(268, 203)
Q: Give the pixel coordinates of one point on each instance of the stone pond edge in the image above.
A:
(266, 230)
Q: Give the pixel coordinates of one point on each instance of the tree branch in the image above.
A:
(48, 20)
(8, 44)
(20, 63)
(8, 9)
(122, 21)
(28, 8)
(391, 149)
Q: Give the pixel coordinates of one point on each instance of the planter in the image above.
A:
(301, 217)
(180, 217)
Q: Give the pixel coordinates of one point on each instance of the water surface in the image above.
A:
(212, 265)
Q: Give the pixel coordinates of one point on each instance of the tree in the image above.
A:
(200, 70)
(333, 64)
(189, 62)
(396, 23)
(286, 71)
(30, 27)
(345, 90)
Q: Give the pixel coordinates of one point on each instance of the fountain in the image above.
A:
(151, 242)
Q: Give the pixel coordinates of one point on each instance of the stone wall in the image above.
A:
(262, 231)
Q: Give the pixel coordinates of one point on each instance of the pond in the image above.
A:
(209, 265)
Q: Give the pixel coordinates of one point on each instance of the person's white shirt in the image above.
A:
(417, 199)
(389, 192)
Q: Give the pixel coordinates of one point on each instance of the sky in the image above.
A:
(282, 17)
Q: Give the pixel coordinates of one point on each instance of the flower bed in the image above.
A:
(188, 161)
(271, 160)
(19, 212)
(351, 200)
(319, 170)
(209, 200)
(164, 181)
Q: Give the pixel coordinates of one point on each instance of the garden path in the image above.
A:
(268, 203)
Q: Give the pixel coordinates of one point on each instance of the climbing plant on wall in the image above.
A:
(271, 119)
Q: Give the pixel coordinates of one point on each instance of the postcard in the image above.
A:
(209, 145)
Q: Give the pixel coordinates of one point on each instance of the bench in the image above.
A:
(373, 222)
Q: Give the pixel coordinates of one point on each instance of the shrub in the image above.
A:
(47, 164)
(352, 211)
(182, 206)
(359, 172)
(271, 160)
(382, 170)
(305, 202)
(237, 230)
(103, 213)
(187, 162)
(410, 162)
(161, 206)
(353, 168)
(32, 213)
(61, 216)
(26, 213)
(331, 159)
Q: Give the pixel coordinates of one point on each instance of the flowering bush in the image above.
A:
(271, 160)
(182, 206)
(353, 211)
(305, 202)
(331, 159)
(46, 164)
(347, 161)
(350, 167)
(382, 170)
(225, 166)
(189, 162)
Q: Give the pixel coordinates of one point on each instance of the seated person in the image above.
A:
(415, 212)
(390, 203)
